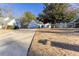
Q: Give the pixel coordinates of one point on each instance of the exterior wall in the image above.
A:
(12, 22)
(0, 26)
(61, 25)
(47, 25)
(44, 25)
(6, 21)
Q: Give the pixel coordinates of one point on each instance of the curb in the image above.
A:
(30, 44)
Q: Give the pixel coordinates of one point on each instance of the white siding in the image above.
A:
(0, 26)
(12, 22)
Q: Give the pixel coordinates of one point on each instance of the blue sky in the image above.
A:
(19, 8)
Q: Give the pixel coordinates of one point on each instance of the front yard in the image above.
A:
(55, 42)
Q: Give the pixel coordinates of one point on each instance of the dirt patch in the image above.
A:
(55, 44)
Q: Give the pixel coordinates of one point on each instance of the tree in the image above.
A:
(56, 12)
(70, 15)
(27, 17)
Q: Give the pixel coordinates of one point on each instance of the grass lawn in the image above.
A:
(55, 42)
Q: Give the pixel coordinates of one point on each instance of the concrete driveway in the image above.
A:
(15, 43)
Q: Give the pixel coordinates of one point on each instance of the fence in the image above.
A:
(65, 25)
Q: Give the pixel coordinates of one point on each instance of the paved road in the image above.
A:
(15, 43)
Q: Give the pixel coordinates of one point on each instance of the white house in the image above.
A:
(12, 22)
(7, 21)
(40, 24)
(47, 25)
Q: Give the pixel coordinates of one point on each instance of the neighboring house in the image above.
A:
(47, 25)
(33, 24)
(40, 24)
(61, 25)
(0, 26)
(74, 24)
(7, 21)
(12, 22)
(18, 23)
(37, 24)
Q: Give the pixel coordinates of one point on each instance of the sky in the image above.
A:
(18, 9)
